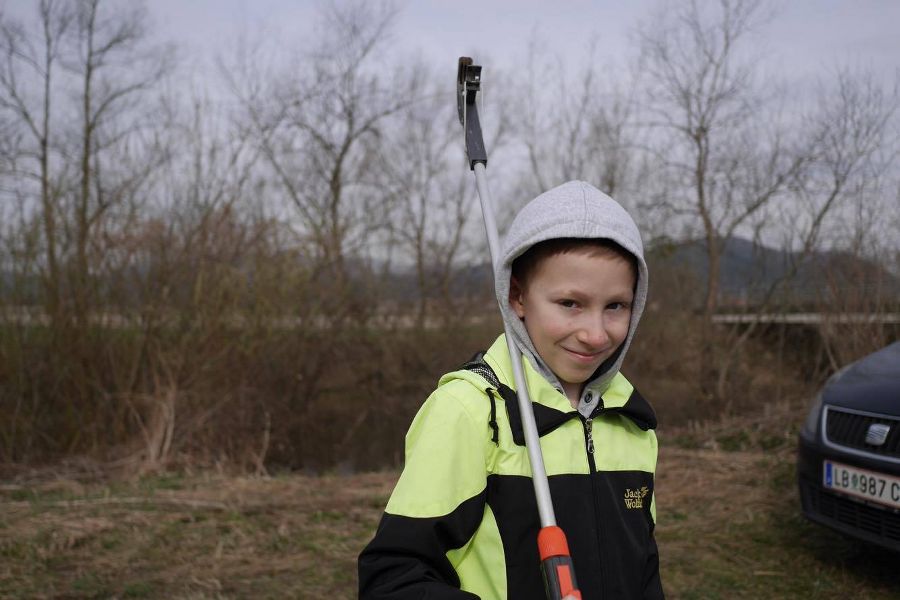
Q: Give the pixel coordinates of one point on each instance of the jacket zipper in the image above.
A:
(592, 466)
(589, 439)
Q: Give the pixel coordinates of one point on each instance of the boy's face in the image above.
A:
(577, 309)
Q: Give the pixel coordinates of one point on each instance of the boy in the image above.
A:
(462, 521)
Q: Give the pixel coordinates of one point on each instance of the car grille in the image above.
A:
(848, 429)
(882, 523)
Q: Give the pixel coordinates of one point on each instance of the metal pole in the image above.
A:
(532, 440)
(557, 567)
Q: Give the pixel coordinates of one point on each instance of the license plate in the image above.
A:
(862, 483)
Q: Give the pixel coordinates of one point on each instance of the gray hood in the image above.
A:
(572, 210)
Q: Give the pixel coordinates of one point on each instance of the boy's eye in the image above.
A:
(567, 303)
(618, 306)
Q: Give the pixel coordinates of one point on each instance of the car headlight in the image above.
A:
(814, 417)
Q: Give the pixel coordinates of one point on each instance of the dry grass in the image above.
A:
(728, 511)
(730, 522)
(210, 537)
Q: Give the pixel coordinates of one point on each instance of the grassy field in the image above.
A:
(729, 528)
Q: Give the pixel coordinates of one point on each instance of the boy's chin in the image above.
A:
(573, 377)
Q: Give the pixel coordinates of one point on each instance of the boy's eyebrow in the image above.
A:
(569, 291)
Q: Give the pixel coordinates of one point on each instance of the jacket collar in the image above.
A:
(552, 408)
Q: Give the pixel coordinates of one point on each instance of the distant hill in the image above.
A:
(748, 270)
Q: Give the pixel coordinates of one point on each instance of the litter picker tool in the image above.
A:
(556, 563)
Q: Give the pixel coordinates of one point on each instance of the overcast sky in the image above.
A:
(807, 36)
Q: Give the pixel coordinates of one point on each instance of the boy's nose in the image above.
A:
(593, 333)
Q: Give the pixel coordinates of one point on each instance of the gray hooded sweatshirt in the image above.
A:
(572, 210)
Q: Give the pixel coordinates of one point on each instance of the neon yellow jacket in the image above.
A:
(462, 521)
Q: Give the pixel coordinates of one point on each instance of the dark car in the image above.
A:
(848, 465)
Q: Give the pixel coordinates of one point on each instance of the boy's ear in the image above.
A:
(516, 297)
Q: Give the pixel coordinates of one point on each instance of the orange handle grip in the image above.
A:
(556, 564)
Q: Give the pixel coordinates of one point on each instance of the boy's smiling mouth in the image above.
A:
(583, 356)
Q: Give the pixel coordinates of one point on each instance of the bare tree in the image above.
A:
(27, 83)
(855, 177)
(431, 203)
(100, 57)
(853, 149)
(850, 155)
(579, 123)
(319, 131)
(721, 146)
(73, 91)
(113, 70)
(723, 159)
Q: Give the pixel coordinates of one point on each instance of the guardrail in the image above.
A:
(807, 318)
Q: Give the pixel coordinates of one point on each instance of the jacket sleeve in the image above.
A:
(436, 507)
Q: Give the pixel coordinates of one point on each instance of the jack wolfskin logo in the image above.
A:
(635, 498)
